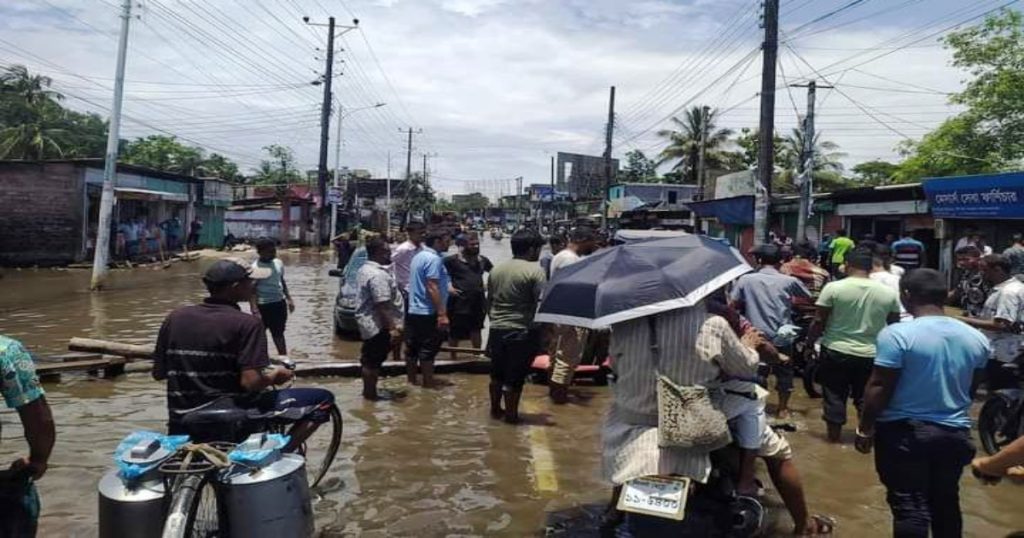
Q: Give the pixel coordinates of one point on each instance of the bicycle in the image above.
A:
(1001, 420)
(194, 510)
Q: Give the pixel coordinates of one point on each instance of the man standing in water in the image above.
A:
(1000, 318)
(838, 249)
(916, 409)
(213, 351)
(426, 324)
(379, 315)
(766, 298)
(401, 258)
(514, 288)
(568, 341)
(22, 392)
(272, 303)
(851, 313)
(467, 305)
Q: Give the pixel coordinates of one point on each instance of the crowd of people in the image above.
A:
(885, 343)
(141, 236)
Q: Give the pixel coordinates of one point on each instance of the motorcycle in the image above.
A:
(1001, 420)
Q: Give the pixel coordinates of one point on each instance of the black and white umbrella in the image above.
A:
(639, 279)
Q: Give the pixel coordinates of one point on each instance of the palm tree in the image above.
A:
(684, 142)
(828, 168)
(30, 118)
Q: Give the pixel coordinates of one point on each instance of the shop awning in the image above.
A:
(131, 193)
(737, 210)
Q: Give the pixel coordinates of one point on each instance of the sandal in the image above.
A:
(823, 526)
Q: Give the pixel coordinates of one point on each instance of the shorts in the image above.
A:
(375, 350)
(422, 338)
(774, 446)
(274, 316)
(512, 352)
(464, 325)
(748, 428)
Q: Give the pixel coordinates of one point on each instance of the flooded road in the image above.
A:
(434, 464)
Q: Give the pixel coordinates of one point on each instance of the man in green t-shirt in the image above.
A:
(838, 249)
(851, 313)
(514, 289)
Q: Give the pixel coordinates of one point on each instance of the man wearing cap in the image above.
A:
(766, 298)
(213, 350)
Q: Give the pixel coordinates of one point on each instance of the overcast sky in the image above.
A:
(495, 86)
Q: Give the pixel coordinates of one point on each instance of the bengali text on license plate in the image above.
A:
(655, 496)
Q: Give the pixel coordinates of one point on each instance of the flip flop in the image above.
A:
(823, 526)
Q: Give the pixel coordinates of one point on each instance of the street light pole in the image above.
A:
(337, 161)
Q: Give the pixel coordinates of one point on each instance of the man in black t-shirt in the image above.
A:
(213, 352)
(467, 302)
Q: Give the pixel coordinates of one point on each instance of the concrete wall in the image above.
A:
(41, 216)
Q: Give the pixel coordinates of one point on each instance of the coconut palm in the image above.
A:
(30, 118)
(684, 142)
(828, 168)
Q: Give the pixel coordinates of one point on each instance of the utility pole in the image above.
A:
(337, 170)
(387, 227)
(102, 250)
(704, 117)
(425, 169)
(325, 126)
(609, 130)
(805, 180)
(766, 138)
(408, 156)
(552, 206)
(519, 205)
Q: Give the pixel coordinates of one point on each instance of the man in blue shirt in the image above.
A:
(916, 407)
(426, 324)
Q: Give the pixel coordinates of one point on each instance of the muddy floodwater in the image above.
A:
(433, 464)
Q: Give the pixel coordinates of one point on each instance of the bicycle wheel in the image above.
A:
(322, 447)
(995, 414)
(193, 512)
(810, 379)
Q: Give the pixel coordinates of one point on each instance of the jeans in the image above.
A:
(842, 376)
(920, 464)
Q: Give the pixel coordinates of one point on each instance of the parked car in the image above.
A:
(348, 295)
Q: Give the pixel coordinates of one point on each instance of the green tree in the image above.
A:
(473, 202)
(684, 142)
(279, 169)
(987, 137)
(828, 170)
(639, 168)
(162, 152)
(419, 196)
(30, 117)
(875, 172)
(748, 143)
(219, 166)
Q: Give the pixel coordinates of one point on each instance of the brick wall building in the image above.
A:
(41, 220)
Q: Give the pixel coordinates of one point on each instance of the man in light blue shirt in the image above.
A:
(916, 407)
(426, 324)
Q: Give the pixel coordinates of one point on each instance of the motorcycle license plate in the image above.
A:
(659, 496)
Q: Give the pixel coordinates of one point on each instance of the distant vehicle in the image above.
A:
(497, 234)
(347, 301)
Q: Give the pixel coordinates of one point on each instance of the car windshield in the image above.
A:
(354, 263)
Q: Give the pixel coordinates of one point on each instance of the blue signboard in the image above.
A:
(994, 196)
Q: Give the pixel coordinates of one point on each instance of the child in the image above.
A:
(272, 302)
(743, 404)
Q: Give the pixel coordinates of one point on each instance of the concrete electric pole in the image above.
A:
(102, 249)
(705, 114)
(766, 136)
(609, 131)
(805, 181)
(325, 126)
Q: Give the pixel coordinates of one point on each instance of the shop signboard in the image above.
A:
(995, 196)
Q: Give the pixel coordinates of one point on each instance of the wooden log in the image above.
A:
(353, 369)
(49, 368)
(106, 347)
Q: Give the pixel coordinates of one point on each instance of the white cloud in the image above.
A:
(496, 85)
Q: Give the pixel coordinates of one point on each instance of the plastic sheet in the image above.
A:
(129, 470)
(246, 455)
